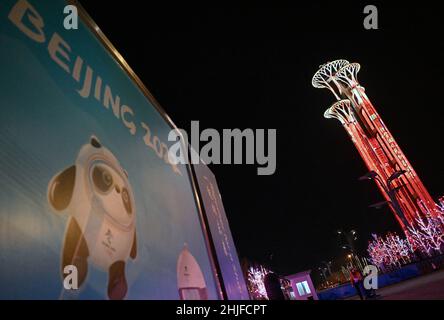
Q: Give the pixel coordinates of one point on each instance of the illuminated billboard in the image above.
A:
(86, 182)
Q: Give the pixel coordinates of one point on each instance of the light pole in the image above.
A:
(350, 259)
(323, 270)
(389, 190)
(350, 238)
(327, 264)
(352, 256)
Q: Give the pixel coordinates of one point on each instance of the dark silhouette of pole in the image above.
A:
(350, 237)
(389, 190)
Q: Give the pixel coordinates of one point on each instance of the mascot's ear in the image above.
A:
(61, 188)
(95, 142)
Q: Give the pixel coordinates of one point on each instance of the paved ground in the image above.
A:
(428, 287)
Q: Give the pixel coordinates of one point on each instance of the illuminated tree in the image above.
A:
(425, 236)
(432, 231)
(399, 248)
(256, 284)
(376, 252)
(418, 241)
(391, 251)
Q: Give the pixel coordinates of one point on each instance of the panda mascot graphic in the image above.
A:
(96, 194)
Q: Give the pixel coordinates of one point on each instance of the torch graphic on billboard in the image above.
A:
(190, 279)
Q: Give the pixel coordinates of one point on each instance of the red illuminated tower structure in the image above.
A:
(389, 167)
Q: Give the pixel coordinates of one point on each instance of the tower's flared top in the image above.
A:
(325, 73)
(348, 74)
(342, 111)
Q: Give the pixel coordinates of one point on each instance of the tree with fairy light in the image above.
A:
(256, 285)
(425, 237)
(389, 252)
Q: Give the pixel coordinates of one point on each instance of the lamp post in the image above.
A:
(389, 190)
(327, 264)
(350, 237)
(349, 244)
(323, 271)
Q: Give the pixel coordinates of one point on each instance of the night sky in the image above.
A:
(252, 68)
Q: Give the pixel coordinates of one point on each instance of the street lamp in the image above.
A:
(350, 259)
(350, 237)
(323, 273)
(327, 264)
(389, 190)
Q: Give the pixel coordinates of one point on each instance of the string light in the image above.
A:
(256, 284)
(425, 237)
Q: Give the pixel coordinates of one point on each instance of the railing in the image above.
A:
(405, 272)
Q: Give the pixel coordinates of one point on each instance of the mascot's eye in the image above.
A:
(126, 201)
(107, 179)
(102, 179)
